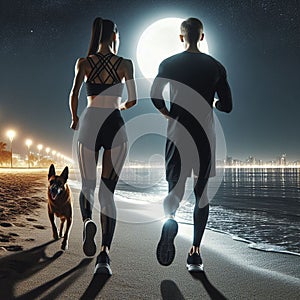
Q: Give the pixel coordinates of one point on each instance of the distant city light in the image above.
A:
(40, 147)
(47, 150)
(252, 162)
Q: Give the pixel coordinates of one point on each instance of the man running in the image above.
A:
(190, 118)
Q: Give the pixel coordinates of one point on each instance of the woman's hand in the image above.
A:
(74, 123)
(122, 106)
(127, 104)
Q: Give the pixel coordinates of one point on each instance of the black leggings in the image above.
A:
(112, 163)
(201, 208)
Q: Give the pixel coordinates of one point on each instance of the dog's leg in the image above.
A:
(54, 228)
(64, 244)
(62, 222)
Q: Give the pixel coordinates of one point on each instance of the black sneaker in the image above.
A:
(194, 263)
(89, 231)
(165, 251)
(103, 264)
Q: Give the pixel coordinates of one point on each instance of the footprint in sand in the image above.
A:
(31, 219)
(4, 239)
(39, 226)
(5, 224)
(13, 234)
(13, 248)
(19, 224)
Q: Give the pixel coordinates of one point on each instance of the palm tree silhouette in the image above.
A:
(2, 146)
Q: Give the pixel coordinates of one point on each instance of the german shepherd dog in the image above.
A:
(60, 204)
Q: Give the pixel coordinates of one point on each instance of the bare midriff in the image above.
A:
(103, 101)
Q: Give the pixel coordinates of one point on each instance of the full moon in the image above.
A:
(159, 41)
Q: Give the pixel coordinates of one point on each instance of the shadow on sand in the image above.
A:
(211, 290)
(22, 265)
(95, 286)
(170, 291)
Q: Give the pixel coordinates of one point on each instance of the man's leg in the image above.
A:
(201, 211)
(174, 197)
(165, 251)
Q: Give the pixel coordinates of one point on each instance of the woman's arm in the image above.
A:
(130, 84)
(74, 94)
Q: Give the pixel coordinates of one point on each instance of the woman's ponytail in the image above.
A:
(96, 36)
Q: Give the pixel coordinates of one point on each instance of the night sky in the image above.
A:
(257, 41)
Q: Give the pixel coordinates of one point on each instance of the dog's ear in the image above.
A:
(51, 171)
(65, 174)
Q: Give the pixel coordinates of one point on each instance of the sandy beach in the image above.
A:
(42, 271)
(23, 193)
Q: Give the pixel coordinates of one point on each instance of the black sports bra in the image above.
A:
(104, 63)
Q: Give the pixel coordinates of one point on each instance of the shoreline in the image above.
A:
(265, 247)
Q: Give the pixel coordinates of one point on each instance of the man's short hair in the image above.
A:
(191, 29)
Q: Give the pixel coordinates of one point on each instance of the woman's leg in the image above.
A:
(87, 160)
(112, 164)
(88, 165)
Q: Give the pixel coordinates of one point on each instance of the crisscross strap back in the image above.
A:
(104, 64)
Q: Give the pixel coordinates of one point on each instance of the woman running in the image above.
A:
(101, 125)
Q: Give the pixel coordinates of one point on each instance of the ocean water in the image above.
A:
(257, 206)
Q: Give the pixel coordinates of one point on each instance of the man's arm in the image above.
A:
(156, 93)
(224, 93)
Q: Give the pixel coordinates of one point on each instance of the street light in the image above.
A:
(47, 150)
(39, 147)
(11, 134)
(28, 143)
(53, 154)
(58, 154)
